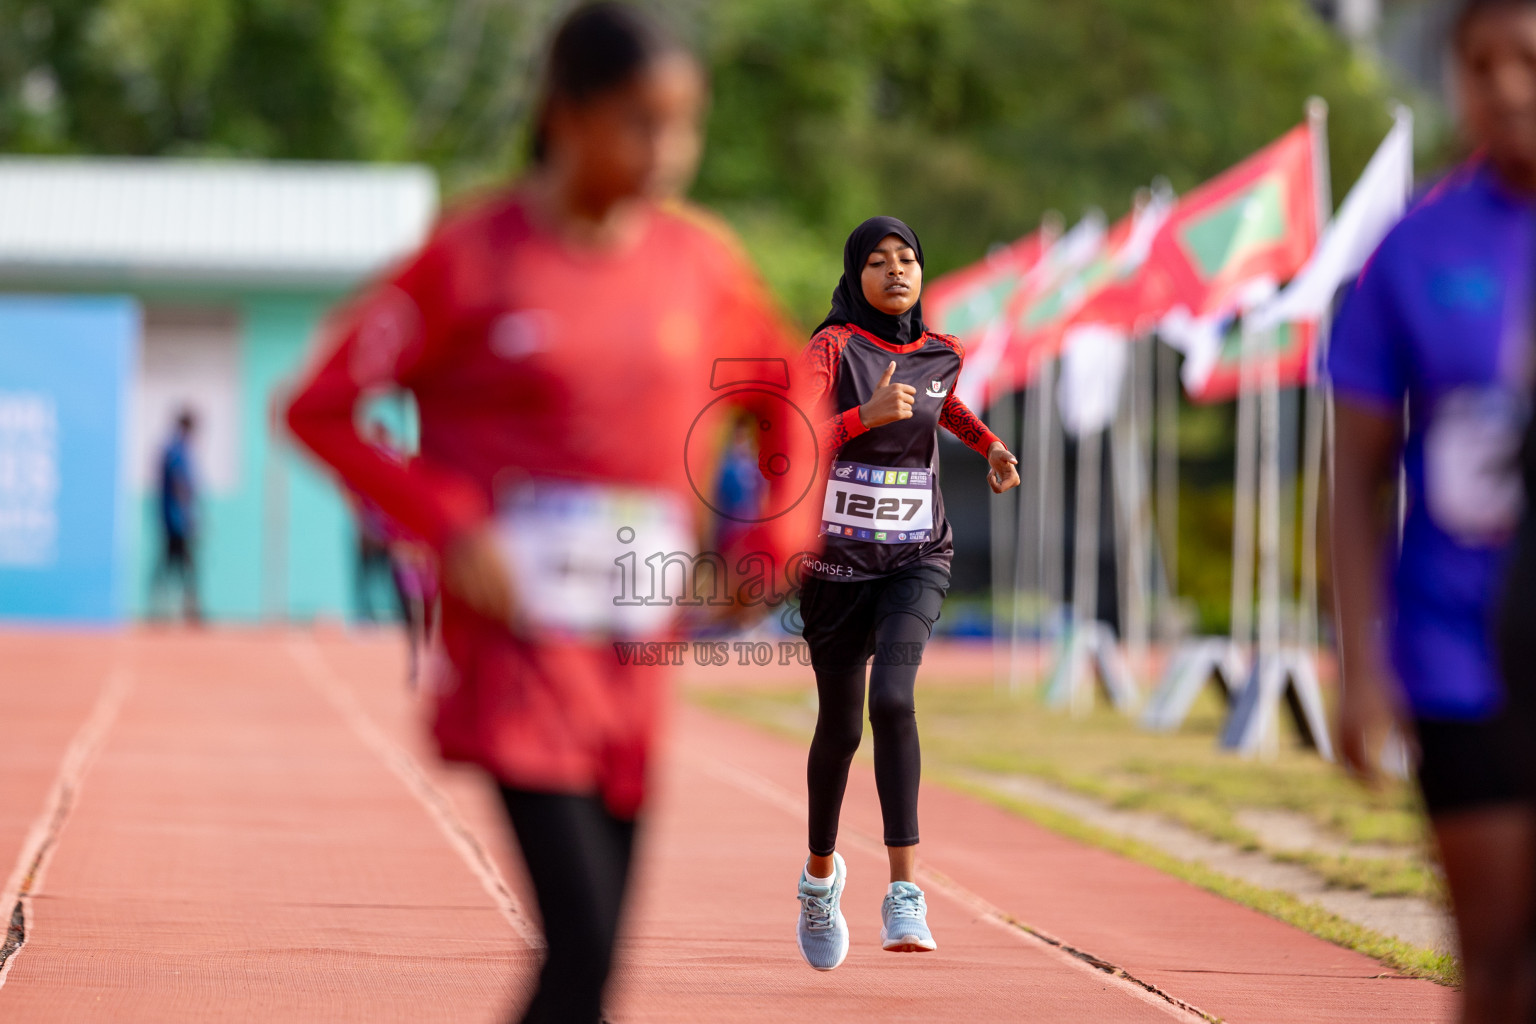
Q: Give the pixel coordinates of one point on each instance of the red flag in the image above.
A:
(1116, 296)
(972, 303)
(1258, 219)
(965, 301)
(1038, 312)
(1046, 311)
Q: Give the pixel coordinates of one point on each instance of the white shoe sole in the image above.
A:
(907, 944)
(842, 954)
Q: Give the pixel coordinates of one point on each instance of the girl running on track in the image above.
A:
(877, 586)
(1441, 318)
(560, 340)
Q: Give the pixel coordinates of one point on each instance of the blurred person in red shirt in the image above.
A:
(564, 342)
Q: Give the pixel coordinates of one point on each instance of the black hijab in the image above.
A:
(849, 306)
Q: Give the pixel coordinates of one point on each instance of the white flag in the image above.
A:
(1092, 367)
(1370, 210)
(1149, 221)
(1200, 339)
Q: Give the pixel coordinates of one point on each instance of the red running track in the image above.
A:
(247, 826)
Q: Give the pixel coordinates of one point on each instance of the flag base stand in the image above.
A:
(1089, 651)
(1194, 665)
(1289, 675)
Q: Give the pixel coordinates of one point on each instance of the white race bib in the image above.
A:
(878, 504)
(568, 546)
(1472, 484)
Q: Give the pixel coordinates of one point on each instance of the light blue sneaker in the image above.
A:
(905, 913)
(822, 932)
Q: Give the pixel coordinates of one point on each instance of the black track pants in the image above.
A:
(891, 620)
(578, 859)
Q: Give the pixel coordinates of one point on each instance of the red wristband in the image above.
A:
(852, 424)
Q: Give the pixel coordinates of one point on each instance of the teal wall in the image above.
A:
(279, 547)
(309, 532)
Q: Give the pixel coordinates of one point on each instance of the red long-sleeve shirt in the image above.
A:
(532, 359)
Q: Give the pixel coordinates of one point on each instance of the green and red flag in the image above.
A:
(1257, 220)
(1114, 284)
(1099, 284)
(1041, 306)
(973, 304)
(1045, 312)
(967, 301)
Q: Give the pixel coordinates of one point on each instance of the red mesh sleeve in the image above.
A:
(819, 365)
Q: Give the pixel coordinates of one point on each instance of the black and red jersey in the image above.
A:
(881, 506)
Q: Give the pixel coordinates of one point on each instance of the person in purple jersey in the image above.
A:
(877, 585)
(1439, 321)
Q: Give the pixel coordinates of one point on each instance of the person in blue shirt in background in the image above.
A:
(1439, 324)
(740, 488)
(178, 519)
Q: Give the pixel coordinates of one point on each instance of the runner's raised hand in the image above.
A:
(889, 403)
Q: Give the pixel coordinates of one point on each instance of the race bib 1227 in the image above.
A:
(878, 504)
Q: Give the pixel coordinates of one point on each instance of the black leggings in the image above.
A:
(578, 859)
(891, 620)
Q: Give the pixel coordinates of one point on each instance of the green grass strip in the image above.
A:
(1411, 960)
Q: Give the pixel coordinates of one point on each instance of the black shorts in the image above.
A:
(1466, 765)
(840, 617)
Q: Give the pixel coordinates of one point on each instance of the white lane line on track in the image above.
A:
(42, 839)
(771, 793)
(405, 767)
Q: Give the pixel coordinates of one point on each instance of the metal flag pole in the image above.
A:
(1267, 657)
(1243, 500)
(1030, 575)
(1167, 521)
(1085, 554)
(1027, 549)
(1128, 461)
(1003, 536)
(1316, 430)
(1129, 502)
(1089, 646)
(1277, 673)
(1052, 504)
(1289, 493)
(1311, 493)
(1146, 397)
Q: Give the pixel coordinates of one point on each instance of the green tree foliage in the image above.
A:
(434, 80)
(972, 118)
(969, 118)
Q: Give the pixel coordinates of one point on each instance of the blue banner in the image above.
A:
(65, 369)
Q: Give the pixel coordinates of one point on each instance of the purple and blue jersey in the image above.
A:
(1439, 319)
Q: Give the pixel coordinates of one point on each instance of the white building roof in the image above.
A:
(174, 221)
